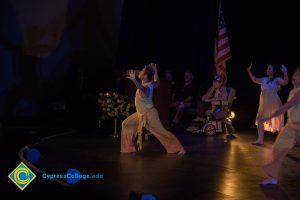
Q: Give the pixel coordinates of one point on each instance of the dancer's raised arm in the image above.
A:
(285, 79)
(253, 78)
(156, 78)
(145, 90)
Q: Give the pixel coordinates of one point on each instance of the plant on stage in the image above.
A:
(113, 106)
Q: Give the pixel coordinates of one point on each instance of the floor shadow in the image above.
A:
(274, 192)
(294, 158)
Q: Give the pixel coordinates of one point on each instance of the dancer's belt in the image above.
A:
(142, 119)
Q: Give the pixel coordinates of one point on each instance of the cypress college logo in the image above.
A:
(21, 176)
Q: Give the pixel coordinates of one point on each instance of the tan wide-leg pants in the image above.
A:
(152, 123)
(286, 140)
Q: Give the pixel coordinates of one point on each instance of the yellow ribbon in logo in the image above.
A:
(17, 176)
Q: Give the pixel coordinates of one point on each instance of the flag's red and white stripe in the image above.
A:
(222, 48)
(223, 52)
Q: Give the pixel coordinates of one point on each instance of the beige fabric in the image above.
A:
(293, 113)
(141, 123)
(270, 102)
(151, 122)
(287, 138)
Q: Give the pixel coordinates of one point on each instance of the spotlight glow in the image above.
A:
(232, 115)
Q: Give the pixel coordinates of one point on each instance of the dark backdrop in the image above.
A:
(102, 38)
(180, 35)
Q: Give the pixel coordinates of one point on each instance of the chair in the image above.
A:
(219, 119)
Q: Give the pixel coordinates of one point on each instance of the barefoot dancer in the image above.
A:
(269, 100)
(288, 136)
(146, 116)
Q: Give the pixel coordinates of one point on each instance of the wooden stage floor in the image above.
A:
(212, 169)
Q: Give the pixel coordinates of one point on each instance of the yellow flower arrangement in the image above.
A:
(113, 105)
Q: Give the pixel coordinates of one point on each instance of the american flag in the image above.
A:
(222, 48)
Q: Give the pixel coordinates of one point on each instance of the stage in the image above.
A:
(212, 168)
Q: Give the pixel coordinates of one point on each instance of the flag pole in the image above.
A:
(217, 32)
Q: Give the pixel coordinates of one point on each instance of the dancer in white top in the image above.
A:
(146, 116)
(269, 100)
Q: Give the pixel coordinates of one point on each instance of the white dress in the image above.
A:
(270, 102)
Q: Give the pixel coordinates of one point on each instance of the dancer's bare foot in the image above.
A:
(182, 152)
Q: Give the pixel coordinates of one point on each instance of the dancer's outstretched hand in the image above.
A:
(131, 75)
(283, 68)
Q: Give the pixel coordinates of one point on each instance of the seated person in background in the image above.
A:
(183, 98)
(168, 76)
(217, 92)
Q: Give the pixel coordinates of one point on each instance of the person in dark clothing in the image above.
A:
(168, 76)
(183, 98)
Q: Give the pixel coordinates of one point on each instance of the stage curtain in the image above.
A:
(42, 24)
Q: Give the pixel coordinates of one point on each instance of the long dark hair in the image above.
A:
(276, 72)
